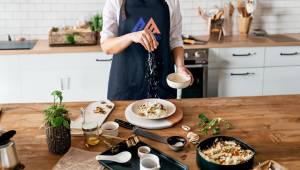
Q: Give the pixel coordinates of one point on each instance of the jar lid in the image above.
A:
(90, 126)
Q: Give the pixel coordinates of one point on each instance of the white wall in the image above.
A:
(33, 18)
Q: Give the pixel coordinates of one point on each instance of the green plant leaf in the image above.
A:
(66, 124)
(216, 131)
(71, 39)
(203, 118)
(57, 121)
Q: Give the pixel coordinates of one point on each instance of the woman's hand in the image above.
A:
(185, 71)
(146, 38)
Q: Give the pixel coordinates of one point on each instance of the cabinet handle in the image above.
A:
(289, 54)
(242, 74)
(69, 83)
(243, 55)
(103, 60)
(61, 83)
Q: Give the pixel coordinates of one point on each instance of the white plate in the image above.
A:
(170, 107)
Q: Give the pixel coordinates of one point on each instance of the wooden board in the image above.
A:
(76, 125)
(270, 124)
(153, 124)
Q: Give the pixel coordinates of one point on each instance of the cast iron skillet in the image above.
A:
(206, 165)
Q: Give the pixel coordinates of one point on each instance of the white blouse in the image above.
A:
(111, 13)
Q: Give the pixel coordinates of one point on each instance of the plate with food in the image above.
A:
(153, 109)
(224, 153)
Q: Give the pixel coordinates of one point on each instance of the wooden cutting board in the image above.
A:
(153, 124)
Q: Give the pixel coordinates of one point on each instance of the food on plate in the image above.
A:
(99, 110)
(226, 153)
(152, 110)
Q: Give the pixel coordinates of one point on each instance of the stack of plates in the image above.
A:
(172, 117)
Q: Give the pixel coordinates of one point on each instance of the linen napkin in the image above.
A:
(78, 159)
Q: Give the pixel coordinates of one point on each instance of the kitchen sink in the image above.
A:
(283, 38)
(17, 45)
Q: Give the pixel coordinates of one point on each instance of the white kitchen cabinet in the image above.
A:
(282, 56)
(236, 57)
(240, 82)
(281, 80)
(81, 76)
(10, 81)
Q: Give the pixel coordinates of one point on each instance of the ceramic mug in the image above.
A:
(143, 151)
(149, 162)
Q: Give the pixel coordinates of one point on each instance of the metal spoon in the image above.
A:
(121, 157)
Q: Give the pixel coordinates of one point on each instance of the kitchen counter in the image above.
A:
(269, 124)
(42, 47)
(250, 41)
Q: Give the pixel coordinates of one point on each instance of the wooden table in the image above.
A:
(270, 124)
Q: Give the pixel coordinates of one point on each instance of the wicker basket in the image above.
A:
(80, 38)
(58, 139)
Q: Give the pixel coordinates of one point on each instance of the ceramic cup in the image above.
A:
(149, 162)
(143, 150)
(110, 128)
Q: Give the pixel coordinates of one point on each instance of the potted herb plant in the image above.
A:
(96, 25)
(57, 125)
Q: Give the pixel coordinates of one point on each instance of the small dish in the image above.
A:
(143, 150)
(178, 80)
(110, 128)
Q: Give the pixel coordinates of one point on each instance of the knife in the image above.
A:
(140, 132)
(125, 124)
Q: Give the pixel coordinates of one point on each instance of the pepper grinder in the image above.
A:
(8, 153)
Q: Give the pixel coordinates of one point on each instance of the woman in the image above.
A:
(145, 38)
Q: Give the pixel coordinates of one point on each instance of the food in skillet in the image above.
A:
(226, 153)
(152, 110)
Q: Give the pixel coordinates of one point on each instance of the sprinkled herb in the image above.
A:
(205, 125)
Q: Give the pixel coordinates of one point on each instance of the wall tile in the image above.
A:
(33, 18)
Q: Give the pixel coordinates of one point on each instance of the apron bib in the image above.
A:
(136, 74)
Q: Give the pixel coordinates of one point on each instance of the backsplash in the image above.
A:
(33, 18)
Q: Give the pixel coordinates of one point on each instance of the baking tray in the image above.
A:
(166, 162)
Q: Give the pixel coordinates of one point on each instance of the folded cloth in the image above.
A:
(78, 159)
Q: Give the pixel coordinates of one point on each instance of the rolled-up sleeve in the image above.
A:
(110, 19)
(176, 26)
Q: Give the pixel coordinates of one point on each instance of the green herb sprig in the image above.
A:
(213, 125)
(56, 115)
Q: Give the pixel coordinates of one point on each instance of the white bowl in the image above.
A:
(178, 80)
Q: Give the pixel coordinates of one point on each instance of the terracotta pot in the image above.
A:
(58, 139)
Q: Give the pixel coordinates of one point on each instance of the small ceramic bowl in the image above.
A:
(143, 150)
(110, 128)
(178, 80)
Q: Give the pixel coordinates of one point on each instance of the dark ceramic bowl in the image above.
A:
(206, 165)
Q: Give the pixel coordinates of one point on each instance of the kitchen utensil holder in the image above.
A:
(244, 25)
(216, 29)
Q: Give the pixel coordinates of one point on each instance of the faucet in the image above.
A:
(9, 38)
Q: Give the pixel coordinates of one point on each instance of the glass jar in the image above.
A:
(91, 133)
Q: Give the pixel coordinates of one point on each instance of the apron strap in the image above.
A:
(123, 11)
